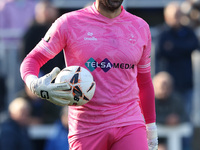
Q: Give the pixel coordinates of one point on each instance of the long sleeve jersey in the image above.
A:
(114, 50)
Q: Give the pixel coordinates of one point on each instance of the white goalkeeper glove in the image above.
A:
(152, 136)
(57, 93)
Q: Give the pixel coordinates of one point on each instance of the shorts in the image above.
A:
(132, 137)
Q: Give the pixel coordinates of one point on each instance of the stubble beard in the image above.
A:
(112, 5)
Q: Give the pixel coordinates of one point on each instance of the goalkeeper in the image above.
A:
(115, 47)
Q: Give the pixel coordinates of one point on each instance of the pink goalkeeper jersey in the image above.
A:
(114, 51)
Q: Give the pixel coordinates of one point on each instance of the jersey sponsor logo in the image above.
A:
(106, 65)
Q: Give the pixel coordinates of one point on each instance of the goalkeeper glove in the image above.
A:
(152, 136)
(57, 93)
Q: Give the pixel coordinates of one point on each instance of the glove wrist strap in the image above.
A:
(29, 80)
(149, 125)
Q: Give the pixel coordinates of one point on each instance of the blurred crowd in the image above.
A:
(22, 25)
(174, 72)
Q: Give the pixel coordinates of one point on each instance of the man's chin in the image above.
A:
(114, 7)
(114, 4)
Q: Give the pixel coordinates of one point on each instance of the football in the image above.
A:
(81, 82)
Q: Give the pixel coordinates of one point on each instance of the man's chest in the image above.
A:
(120, 43)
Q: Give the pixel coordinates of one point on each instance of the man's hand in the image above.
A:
(57, 93)
(152, 136)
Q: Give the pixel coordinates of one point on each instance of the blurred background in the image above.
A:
(175, 29)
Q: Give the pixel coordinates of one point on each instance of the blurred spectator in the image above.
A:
(173, 52)
(59, 141)
(15, 17)
(14, 135)
(42, 112)
(169, 107)
(45, 15)
(191, 9)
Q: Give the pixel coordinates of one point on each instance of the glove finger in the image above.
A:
(60, 86)
(59, 101)
(54, 73)
(65, 95)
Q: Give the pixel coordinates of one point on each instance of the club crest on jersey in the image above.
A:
(132, 39)
(106, 65)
